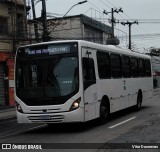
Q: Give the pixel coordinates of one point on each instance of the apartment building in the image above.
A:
(77, 27)
(12, 31)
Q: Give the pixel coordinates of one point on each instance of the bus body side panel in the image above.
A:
(113, 89)
(136, 84)
(133, 85)
(148, 89)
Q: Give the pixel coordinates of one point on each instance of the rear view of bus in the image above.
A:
(47, 88)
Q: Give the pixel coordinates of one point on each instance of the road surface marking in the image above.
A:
(34, 128)
(121, 123)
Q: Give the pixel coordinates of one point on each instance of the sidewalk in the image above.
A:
(7, 113)
(156, 89)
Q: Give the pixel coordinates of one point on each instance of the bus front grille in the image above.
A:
(46, 118)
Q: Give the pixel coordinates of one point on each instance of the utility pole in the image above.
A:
(112, 18)
(129, 24)
(35, 24)
(44, 20)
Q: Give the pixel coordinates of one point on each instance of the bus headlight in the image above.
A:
(75, 104)
(18, 108)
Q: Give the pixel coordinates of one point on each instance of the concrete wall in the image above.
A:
(74, 28)
(66, 29)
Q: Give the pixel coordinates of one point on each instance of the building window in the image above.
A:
(20, 26)
(3, 25)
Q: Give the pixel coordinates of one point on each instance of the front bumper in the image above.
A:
(60, 117)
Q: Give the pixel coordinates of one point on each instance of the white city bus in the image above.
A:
(77, 81)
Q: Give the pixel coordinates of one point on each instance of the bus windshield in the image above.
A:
(53, 77)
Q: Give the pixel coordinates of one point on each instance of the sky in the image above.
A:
(144, 35)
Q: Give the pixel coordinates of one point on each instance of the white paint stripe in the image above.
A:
(121, 123)
(33, 128)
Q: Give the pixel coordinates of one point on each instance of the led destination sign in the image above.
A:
(41, 50)
(50, 50)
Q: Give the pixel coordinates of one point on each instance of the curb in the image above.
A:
(7, 110)
(8, 119)
(7, 113)
(157, 89)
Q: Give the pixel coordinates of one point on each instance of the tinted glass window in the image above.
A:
(134, 67)
(147, 68)
(116, 66)
(126, 71)
(54, 77)
(141, 68)
(103, 60)
(89, 77)
(63, 76)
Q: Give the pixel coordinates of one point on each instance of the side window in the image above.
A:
(147, 68)
(116, 66)
(141, 68)
(134, 67)
(3, 25)
(126, 70)
(103, 61)
(89, 77)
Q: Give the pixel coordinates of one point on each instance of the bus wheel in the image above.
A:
(139, 101)
(104, 112)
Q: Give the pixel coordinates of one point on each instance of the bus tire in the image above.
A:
(139, 101)
(104, 112)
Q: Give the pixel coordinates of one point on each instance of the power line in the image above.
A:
(110, 3)
(94, 6)
(104, 4)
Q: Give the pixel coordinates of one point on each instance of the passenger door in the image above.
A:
(89, 83)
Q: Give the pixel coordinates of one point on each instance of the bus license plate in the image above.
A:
(45, 117)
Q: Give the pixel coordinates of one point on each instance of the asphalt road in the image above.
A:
(127, 126)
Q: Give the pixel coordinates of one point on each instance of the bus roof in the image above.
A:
(103, 47)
